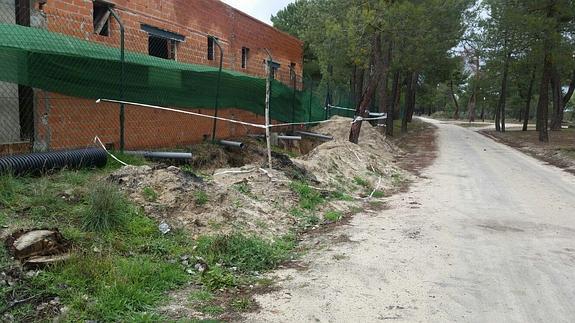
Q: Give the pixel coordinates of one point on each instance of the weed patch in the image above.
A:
(245, 253)
(150, 194)
(309, 198)
(107, 208)
(333, 216)
(201, 198)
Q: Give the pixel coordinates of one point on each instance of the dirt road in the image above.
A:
(488, 236)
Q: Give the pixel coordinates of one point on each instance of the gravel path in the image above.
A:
(488, 236)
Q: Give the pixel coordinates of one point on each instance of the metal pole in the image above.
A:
(310, 98)
(122, 79)
(268, 97)
(294, 77)
(218, 87)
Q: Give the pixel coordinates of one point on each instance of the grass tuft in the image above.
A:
(8, 189)
(309, 199)
(333, 216)
(150, 194)
(201, 198)
(106, 210)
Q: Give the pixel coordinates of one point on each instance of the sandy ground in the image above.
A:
(487, 236)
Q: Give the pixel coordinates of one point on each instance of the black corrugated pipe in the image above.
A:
(39, 163)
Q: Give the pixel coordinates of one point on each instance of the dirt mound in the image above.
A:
(348, 166)
(254, 200)
(238, 198)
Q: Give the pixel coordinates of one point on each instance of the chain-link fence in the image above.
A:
(57, 58)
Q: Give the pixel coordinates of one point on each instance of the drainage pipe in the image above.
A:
(315, 135)
(160, 154)
(289, 137)
(234, 144)
(39, 163)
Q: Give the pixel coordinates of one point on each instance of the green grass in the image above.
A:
(201, 296)
(361, 182)
(201, 198)
(333, 216)
(128, 159)
(307, 219)
(378, 194)
(8, 189)
(107, 208)
(108, 278)
(122, 267)
(245, 253)
(309, 198)
(149, 194)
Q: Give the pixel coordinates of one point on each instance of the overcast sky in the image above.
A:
(260, 9)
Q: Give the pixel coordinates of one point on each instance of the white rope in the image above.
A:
(359, 119)
(340, 108)
(255, 125)
(183, 112)
(98, 141)
(300, 123)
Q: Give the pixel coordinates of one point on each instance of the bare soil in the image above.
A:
(419, 147)
(560, 151)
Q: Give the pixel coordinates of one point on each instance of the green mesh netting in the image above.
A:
(74, 67)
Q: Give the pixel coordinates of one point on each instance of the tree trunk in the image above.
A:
(557, 116)
(369, 91)
(527, 111)
(471, 105)
(500, 116)
(406, 104)
(456, 113)
(543, 104)
(383, 97)
(391, 111)
(412, 95)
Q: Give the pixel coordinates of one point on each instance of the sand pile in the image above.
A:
(348, 166)
(236, 199)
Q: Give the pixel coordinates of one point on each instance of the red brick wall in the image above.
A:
(65, 122)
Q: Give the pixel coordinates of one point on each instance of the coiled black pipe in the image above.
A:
(40, 163)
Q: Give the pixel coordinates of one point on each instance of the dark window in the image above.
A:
(211, 52)
(292, 70)
(245, 57)
(101, 16)
(162, 47)
(275, 66)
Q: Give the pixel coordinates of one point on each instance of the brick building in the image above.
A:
(182, 30)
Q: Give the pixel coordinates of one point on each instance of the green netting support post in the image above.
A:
(310, 99)
(122, 80)
(217, 86)
(294, 78)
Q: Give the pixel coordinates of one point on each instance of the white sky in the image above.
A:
(260, 9)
